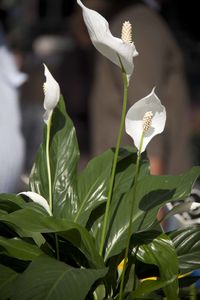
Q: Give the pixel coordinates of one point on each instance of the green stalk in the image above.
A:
(121, 292)
(112, 177)
(48, 160)
(49, 177)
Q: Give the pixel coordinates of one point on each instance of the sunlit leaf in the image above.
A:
(152, 193)
(64, 156)
(161, 253)
(187, 244)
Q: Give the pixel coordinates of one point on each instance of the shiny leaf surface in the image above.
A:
(161, 253)
(92, 185)
(152, 193)
(187, 244)
(125, 173)
(64, 156)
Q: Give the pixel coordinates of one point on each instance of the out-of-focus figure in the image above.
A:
(159, 64)
(12, 143)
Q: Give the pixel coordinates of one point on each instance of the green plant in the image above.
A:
(56, 241)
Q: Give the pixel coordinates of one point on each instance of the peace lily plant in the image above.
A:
(94, 234)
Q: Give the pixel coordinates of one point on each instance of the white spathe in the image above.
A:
(105, 42)
(38, 199)
(51, 93)
(134, 119)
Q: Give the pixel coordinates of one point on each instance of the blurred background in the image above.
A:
(53, 32)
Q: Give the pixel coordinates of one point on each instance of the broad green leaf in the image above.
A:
(36, 236)
(11, 202)
(7, 277)
(155, 191)
(20, 249)
(150, 286)
(92, 186)
(120, 221)
(47, 278)
(33, 221)
(125, 171)
(94, 180)
(152, 193)
(187, 244)
(124, 178)
(161, 253)
(64, 156)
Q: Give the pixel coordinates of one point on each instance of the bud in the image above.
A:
(126, 35)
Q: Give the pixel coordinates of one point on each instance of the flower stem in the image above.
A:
(49, 177)
(48, 160)
(112, 177)
(137, 168)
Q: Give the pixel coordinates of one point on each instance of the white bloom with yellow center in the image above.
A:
(38, 199)
(51, 93)
(106, 43)
(146, 118)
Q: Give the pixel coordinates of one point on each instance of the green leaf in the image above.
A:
(161, 253)
(19, 249)
(7, 277)
(125, 173)
(93, 181)
(177, 209)
(155, 191)
(152, 193)
(33, 221)
(36, 236)
(150, 286)
(100, 292)
(187, 244)
(120, 221)
(10, 202)
(47, 278)
(92, 186)
(64, 156)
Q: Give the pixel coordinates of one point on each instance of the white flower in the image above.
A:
(146, 117)
(106, 43)
(51, 93)
(38, 199)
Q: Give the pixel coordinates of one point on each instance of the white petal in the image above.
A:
(38, 199)
(105, 42)
(134, 119)
(51, 93)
